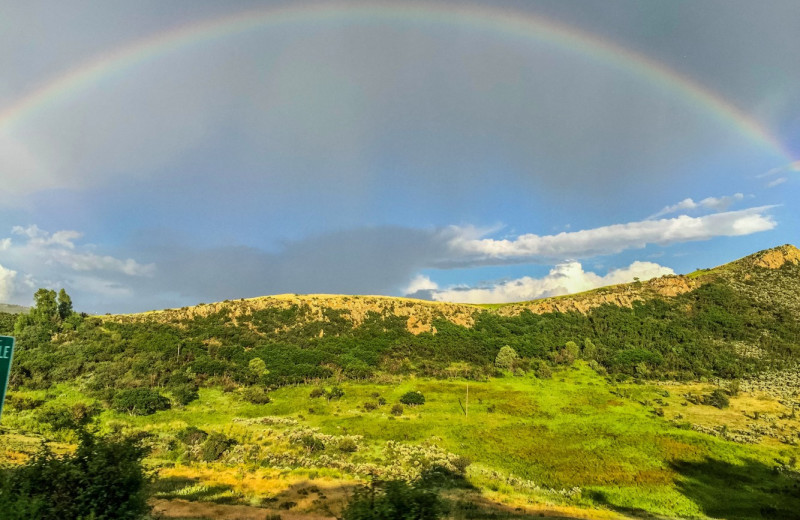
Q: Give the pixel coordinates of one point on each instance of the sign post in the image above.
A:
(6, 354)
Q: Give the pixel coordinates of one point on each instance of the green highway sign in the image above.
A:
(6, 354)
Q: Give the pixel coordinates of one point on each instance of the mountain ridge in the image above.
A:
(420, 314)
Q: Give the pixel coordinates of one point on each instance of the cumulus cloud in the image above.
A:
(59, 247)
(712, 203)
(565, 278)
(466, 248)
(419, 283)
(58, 259)
(7, 277)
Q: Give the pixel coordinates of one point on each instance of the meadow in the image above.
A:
(576, 444)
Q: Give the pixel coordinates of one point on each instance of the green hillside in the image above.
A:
(675, 397)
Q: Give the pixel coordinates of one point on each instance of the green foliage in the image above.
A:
(397, 409)
(412, 398)
(334, 393)
(64, 305)
(256, 395)
(717, 398)
(394, 500)
(139, 401)
(191, 435)
(185, 393)
(61, 417)
(506, 358)
(257, 367)
(215, 445)
(102, 480)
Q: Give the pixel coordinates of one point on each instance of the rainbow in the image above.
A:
(505, 24)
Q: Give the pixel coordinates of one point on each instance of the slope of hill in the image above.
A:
(10, 308)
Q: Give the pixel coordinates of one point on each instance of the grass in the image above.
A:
(574, 443)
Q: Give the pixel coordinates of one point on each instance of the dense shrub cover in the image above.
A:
(412, 398)
(690, 336)
(102, 480)
(139, 401)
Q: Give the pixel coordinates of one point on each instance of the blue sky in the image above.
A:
(436, 157)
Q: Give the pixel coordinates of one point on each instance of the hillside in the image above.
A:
(9, 308)
(672, 398)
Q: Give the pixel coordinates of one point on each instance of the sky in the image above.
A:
(160, 154)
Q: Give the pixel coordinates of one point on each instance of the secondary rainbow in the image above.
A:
(505, 24)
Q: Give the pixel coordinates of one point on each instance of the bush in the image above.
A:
(316, 392)
(334, 393)
(256, 395)
(717, 398)
(185, 394)
(394, 500)
(215, 445)
(412, 398)
(543, 371)
(139, 401)
(67, 417)
(370, 406)
(506, 358)
(191, 435)
(347, 445)
(103, 480)
(397, 409)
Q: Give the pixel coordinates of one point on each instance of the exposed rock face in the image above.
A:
(420, 314)
(776, 257)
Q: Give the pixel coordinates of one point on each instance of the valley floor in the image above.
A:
(576, 445)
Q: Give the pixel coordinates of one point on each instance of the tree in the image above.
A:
(506, 358)
(257, 367)
(64, 305)
(45, 309)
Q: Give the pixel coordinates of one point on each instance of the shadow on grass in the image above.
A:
(739, 491)
(747, 491)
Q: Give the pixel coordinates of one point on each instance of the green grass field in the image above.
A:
(576, 443)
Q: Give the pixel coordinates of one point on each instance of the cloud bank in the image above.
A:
(565, 278)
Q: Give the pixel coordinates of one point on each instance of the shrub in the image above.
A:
(191, 435)
(543, 371)
(334, 393)
(312, 444)
(139, 401)
(717, 398)
(185, 394)
(397, 409)
(103, 479)
(215, 445)
(370, 406)
(67, 417)
(394, 500)
(256, 395)
(316, 392)
(412, 398)
(506, 358)
(347, 445)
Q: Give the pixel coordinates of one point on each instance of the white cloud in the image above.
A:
(60, 248)
(5, 244)
(776, 182)
(712, 203)
(466, 248)
(7, 277)
(420, 283)
(566, 278)
(791, 167)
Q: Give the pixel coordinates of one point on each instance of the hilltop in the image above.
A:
(420, 314)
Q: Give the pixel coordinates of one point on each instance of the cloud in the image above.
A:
(420, 282)
(59, 248)
(790, 167)
(712, 203)
(777, 182)
(7, 277)
(565, 278)
(467, 249)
